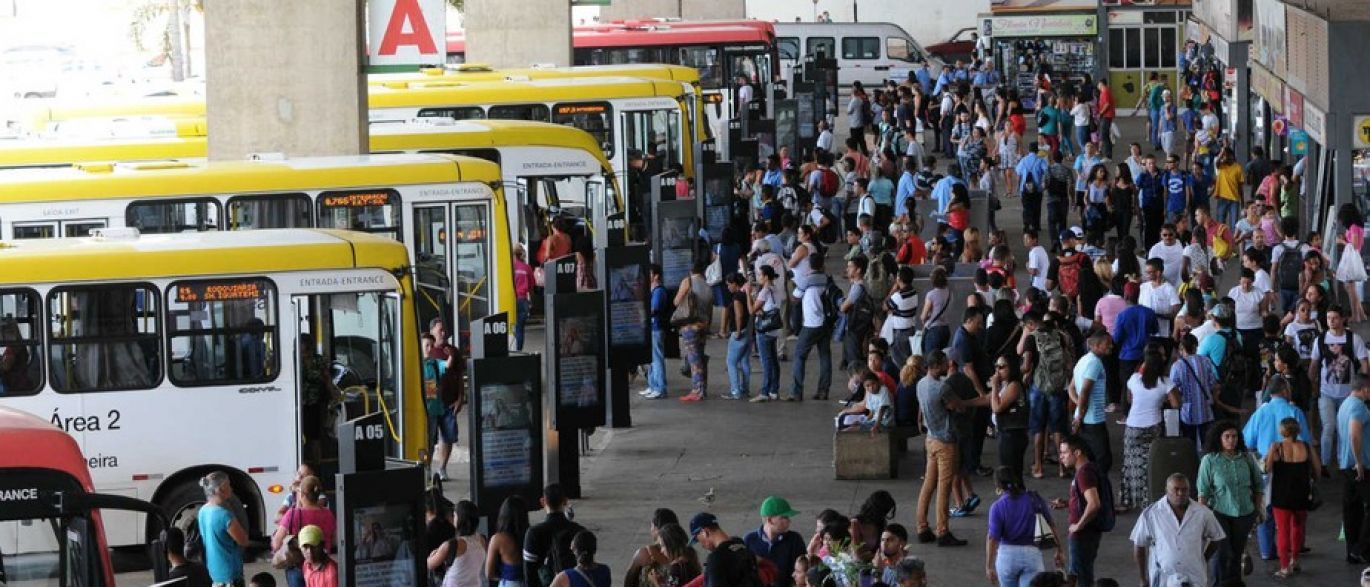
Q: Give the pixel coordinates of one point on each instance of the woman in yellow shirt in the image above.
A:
(1227, 187)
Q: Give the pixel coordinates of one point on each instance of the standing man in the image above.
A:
(1353, 456)
(661, 317)
(1257, 168)
(903, 195)
(1132, 329)
(730, 562)
(1107, 111)
(1089, 388)
(1084, 506)
(744, 96)
(540, 540)
(936, 401)
(858, 110)
(1227, 187)
(1151, 200)
(1338, 358)
(1032, 174)
(224, 537)
(1060, 182)
(1039, 262)
(1174, 538)
(814, 331)
(774, 541)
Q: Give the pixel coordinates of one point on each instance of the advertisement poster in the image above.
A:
(677, 249)
(577, 365)
(384, 556)
(506, 439)
(627, 307)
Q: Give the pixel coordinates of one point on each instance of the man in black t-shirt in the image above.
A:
(552, 534)
(194, 573)
(730, 562)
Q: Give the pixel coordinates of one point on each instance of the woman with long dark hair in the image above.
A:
(1008, 398)
(869, 522)
(504, 560)
(1230, 485)
(587, 572)
(1122, 200)
(1148, 390)
(467, 551)
(652, 555)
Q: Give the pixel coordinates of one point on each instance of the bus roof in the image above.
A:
(64, 152)
(30, 442)
(442, 92)
(482, 134)
(481, 72)
(188, 178)
(195, 253)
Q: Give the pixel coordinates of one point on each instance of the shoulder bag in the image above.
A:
(289, 555)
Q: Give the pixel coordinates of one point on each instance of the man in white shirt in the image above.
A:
(1038, 259)
(744, 95)
(1174, 538)
(813, 333)
(1338, 356)
(824, 136)
(1171, 253)
(1159, 295)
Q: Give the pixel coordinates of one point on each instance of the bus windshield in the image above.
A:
(38, 545)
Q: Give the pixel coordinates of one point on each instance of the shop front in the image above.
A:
(1061, 46)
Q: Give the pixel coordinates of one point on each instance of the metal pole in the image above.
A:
(854, 18)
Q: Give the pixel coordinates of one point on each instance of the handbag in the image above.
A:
(1042, 535)
(768, 320)
(288, 556)
(686, 313)
(713, 274)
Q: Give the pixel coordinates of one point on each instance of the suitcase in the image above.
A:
(1171, 454)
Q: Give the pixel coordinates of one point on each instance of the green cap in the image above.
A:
(777, 506)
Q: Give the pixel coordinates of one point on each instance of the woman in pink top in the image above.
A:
(523, 294)
(1107, 309)
(1350, 269)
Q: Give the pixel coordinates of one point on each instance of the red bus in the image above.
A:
(722, 51)
(51, 533)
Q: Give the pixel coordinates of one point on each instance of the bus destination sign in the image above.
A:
(218, 291)
(356, 199)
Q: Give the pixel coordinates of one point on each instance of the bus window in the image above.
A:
(705, 59)
(824, 45)
(536, 112)
(595, 118)
(161, 217)
(104, 338)
(78, 228)
(364, 341)
(471, 253)
(453, 112)
(788, 47)
(375, 211)
(21, 359)
(222, 332)
(35, 230)
(860, 48)
(270, 211)
(655, 133)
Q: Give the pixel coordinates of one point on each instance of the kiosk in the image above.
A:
(574, 370)
(380, 510)
(504, 418)
(626, 306)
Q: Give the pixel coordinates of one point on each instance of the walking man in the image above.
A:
(1174, 537)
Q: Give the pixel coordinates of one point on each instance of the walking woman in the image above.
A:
(1293, 468)
(1148, 391)
(504, 561)
(1012, 558)
(766, 308)
(1350, 269)
(1122, 200)
(1009, 400)
(307, 511)
(1230, 485)
(694, 334)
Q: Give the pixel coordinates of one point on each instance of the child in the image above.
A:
(258, 580)
(855, 390)
(194, 573)
(1249, 223)
(1270, 225)
(304, 470)
(319, 568)
(873, 412)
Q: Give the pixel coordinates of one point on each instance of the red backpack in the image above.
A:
(828, 182)
(1068, 273)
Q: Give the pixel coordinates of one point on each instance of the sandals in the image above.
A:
(1283, 574)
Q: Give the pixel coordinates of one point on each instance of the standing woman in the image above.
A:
(1149, 391)
(504, 560)
(467, 551)
(1012, 557)
(740, 340)
(587, 572)
(1350, 269)
(936, 328)
(1008, 399)
(693, 334)
(766, 308)
(307, 511)
(1122, 200)
(1230, 485)
(1293, 468)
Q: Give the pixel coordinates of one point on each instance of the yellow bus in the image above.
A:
(546, 169)
(449, 210)
(169, 356)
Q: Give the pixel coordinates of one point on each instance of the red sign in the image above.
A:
(407, 32)
(1293, 106)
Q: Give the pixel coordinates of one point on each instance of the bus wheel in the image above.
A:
(181, 506)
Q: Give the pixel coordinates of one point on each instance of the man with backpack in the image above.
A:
(1048, 376)
(819, 302)
(1090, 508)
(547, 545)
(1065, 270)
(824, 183)
(1058, 187)
(1338, 357)
(1287, 260)
(1224, 350)
(730, 562)
(1032, 172)
(859, 310)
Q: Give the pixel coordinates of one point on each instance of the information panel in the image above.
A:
(381, 528)
(575, 347)
(718, 197)
(505, 420)
(627, 304)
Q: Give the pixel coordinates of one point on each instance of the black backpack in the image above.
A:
(832, 304)
(828, 233)
(1030, 185)
(1105, 519)
(1234, 374)
(1291, 265)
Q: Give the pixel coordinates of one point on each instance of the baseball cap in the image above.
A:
(701, 521)
(310, 534)
(1066, 235)
(777, 506)
(1222, 311)
(1079, 232)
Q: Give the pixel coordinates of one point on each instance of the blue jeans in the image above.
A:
(1226, 211)
(521, 308)
(1154, 130)
(656, 376)
(739, 364)
(1017, 565)
(1082, 138)
(808, 339)
(1046, 412)
(294, 577)
(1327, 411)
(1265, 535)
(936, 338)
(1083, 549)
(770, 364)
(1067, 148)
(1289, 299)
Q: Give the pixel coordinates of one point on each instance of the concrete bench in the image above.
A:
(857, 455)
(900, 435)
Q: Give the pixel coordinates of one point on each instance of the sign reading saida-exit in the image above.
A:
(1361, 125)
(407, 32)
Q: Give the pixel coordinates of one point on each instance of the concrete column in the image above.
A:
(505, 33)
(285, 77)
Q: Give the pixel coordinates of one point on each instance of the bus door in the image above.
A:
(657, 134)
(452, 255)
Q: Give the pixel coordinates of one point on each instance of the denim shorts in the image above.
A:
(446, 426)
(1046, 412)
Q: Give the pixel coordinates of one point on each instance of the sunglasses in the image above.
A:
(1001, 366)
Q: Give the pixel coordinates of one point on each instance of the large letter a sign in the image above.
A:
(407, 32)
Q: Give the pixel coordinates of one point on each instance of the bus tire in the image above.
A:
(180, 505)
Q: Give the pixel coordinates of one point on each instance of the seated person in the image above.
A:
(873, 412)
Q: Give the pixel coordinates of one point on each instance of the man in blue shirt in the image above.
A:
(1200, 186)
(661, 308)
(1150, 197)
(947, 79)
(1089, 386)
(1133, 327)
(774, 541)
(1177, 195)
(1353, 457)
(942, 191)
(1032, 176)
(924, 76)
(905, 189)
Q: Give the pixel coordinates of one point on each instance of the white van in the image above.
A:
(868, 52)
